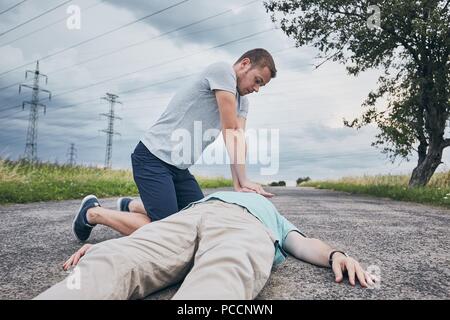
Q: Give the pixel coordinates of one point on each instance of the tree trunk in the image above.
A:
(422, 174)
(434, 125)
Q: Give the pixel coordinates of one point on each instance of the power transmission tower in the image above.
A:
(31, 144)
(72, 154)
(111, 98)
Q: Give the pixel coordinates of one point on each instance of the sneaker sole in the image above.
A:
(78, 213)
(118, 204)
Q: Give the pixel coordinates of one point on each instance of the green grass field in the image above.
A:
(21, 182)
(437, 192)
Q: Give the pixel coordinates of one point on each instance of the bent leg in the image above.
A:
(125, 223)
(187, 189)
(156, 188)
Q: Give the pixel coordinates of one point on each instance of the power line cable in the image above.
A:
(14, 6)
(163, 63)
(142, 87)
(49, 25)
(160, 64)
(96, 37)
(123, 48)
(154, 38)
(34, 18)
(147, 86)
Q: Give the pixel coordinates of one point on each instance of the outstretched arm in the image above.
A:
(317, 252)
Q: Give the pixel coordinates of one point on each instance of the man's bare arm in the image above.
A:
(234, 138)
(317, 252)
(236, 184)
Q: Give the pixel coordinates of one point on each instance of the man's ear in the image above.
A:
(245, 62)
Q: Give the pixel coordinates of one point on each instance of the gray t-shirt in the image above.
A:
(177, 137)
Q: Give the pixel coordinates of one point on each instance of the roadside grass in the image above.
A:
(22, 182)
(437, 192)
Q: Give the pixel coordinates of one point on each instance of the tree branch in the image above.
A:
(445, 7)
(404, 44)
(331, 56)
(446, 143)
(348, 14)
(391, 31)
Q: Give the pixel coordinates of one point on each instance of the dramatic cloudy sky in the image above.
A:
(145, 62)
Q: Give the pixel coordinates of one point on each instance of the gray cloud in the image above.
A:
(307, 106)
(194, 10)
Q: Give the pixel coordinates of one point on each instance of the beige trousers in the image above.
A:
(220, 249)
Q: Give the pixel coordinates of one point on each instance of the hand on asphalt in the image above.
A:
(354, 270)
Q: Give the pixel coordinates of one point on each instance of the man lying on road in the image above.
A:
(223, 246)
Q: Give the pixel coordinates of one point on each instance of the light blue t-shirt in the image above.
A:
(191, 121)
(265, 211)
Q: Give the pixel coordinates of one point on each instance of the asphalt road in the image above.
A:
(407, 244)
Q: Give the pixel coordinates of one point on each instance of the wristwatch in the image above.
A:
(330, 258)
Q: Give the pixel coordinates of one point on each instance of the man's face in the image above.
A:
(250, 79)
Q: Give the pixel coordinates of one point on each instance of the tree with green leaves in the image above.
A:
(409, 41)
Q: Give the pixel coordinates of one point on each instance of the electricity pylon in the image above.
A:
(111, 98)
(31, 144)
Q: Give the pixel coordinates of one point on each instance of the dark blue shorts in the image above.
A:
(164, 189)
